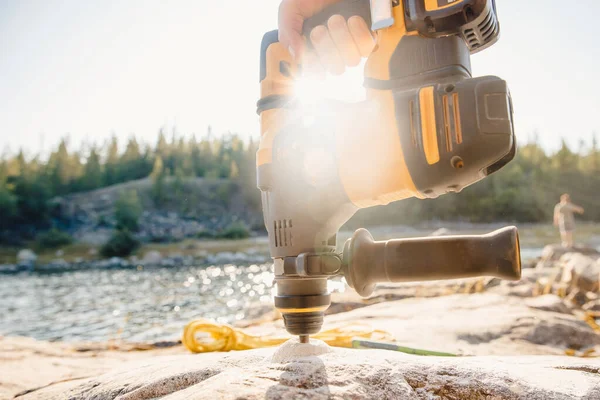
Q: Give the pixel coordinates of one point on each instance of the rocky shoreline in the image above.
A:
(548, 323)
(27, 261)
(508, 347)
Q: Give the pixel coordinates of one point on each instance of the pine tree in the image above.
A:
(234, 171)
(128, 211)
(132, 164)
(247, 176)
(162, 147)
(158, 181)
(178, 188)
(565, 159)
(595, 154)
(33, 197)
(20, 164)
(194, 157)
(60, 170)
(206, 160)
(92, 176)
(111, 167)
(8, 208)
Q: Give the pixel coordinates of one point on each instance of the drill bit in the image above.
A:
(304, 338)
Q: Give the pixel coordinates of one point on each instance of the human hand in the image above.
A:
(339, 45)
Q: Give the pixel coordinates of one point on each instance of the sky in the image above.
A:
(88, 69)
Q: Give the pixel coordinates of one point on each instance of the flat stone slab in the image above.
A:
(337, 374)
(476, 325)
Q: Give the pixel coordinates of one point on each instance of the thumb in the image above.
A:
(291, 21)
(292, 14)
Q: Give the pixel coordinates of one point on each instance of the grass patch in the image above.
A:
(72, 252)
(53, 239)
(205, 234)
(8, 255)
(235, 230)
(193, 246)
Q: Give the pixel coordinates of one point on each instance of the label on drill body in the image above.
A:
(381, 14)
(443, 3)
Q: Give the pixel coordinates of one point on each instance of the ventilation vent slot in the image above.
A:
(457, 122)
(471, 38)
(484, 33)
(489, 27)
(447, 127)
(282, 230)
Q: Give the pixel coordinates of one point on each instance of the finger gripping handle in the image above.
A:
(345, 8)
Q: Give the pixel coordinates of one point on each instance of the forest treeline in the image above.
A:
(523, 191)
(29, 184)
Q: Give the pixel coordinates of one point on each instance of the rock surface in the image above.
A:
(27, 363)
(581, 271)
(11, 268)
(554, 252)
(339, 374)
(482, 325)
(593, 305)
(26, 258)
(477, 324)
(549, 302)
(152, 257)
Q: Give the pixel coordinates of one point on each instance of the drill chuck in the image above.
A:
(302, 303)
(303, 324)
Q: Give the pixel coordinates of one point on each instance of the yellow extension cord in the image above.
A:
(223, 337)
(226, 338)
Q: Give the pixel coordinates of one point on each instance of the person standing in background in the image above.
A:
(565, 220)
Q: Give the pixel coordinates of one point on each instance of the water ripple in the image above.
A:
(135, 305)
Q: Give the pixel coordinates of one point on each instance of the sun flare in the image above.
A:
(347, 87)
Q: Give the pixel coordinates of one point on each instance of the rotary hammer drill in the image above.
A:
(426, 128)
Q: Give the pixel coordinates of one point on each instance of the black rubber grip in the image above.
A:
(345, 8)
(268, 39)
(430, 258)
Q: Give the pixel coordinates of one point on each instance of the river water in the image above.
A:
(134, 304)
(138, 305)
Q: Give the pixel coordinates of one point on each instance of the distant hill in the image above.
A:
(190, 207)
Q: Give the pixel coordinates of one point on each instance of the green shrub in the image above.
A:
(212, 174)
(158, 175)
(8, 207)
(205, 234)
(235, 230)
(160, 239)
(53, 239)
(121, 244)
(226, 191)
(128, 211)
(102, 221)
